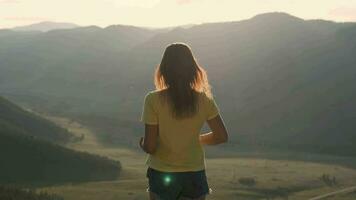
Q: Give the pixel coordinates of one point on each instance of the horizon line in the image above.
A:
(180, 25)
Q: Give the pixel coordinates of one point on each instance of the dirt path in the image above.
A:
(342, 191)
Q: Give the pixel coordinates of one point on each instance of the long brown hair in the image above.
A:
(182, 79)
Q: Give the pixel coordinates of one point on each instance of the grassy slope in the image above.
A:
(300, 178)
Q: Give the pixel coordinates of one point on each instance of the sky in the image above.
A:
(163, 13)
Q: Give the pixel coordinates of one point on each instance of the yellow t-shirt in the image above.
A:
(178, 147)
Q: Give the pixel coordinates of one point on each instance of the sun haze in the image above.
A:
(162, 13)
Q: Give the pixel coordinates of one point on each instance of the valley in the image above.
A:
(285, 87)
(274, 179)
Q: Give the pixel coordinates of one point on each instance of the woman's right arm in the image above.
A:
(218, 132)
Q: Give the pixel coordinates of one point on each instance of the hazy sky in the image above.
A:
(159, 13)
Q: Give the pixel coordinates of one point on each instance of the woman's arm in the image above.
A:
(149, 142)
(218, 132)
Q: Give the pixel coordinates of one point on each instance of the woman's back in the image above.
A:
(179, 147)
(174, 115)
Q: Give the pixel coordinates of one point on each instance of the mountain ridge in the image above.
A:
(288, 78)
(264, 16)
(45, 26)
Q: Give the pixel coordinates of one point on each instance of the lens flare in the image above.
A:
(167, 180)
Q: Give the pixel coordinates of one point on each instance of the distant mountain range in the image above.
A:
(29, 155)
(45, 26)
(280, 81)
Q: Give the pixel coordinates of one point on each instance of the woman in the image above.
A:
(174, 115)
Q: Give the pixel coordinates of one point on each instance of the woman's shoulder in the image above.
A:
(204, 96)
(153, 95)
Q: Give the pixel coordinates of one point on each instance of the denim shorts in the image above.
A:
(175, 185)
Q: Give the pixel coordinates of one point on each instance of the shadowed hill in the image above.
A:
(26, 159)
(29, 124)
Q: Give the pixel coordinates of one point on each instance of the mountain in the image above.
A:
(26, 159)
(45, 26)
(280, 81)
(59, 58)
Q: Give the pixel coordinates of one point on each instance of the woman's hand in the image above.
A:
(149, 142)
(141, 143)
(218, 135)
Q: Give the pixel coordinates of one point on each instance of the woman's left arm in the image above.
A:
(149, 142)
